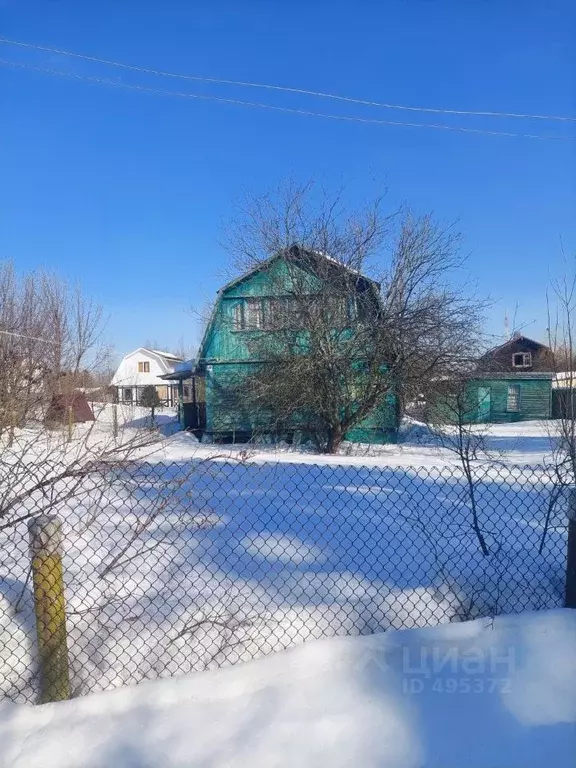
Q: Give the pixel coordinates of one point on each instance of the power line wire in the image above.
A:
(24, 336)
(286, 89)
(292, 110)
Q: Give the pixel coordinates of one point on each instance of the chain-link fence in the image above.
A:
(172, 568)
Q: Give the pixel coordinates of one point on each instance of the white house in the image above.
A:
(143, 368)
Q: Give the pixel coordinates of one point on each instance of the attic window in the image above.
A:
(522, 360)
(143, 366)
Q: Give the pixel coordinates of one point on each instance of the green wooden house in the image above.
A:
(514, 382)
(507, 397)
(244, 313)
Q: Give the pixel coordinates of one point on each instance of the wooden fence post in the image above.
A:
(570, 595)
(70, 423)
(115, 420)
(49, 605)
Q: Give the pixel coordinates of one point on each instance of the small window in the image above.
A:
(513, 399)
(521, 360)
(144, 367)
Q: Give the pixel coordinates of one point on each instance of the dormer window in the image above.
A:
(522, 360)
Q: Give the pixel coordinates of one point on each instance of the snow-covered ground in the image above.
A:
(524, 443)
(484, 694)
(197, 558)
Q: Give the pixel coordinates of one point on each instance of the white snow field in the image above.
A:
(187, 561)
(522, 443)
(482, 694)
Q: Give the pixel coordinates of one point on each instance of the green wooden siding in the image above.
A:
(535, 398)
(230, 355)
(222, 342)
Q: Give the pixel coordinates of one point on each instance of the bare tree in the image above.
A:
(363, 313)
(561, 310)
(51, 338)
(434, 324)
(561, 302)
(452, 410)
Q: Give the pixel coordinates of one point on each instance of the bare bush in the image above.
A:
(451, 414)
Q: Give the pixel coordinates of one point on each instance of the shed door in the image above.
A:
(483, 403)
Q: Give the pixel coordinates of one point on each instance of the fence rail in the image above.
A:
(170, 568)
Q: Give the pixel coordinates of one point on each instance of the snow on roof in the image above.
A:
(168, 355)
(388, 700)
(337, 261)
(292, 250)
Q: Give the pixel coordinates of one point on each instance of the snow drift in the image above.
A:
(498, 693)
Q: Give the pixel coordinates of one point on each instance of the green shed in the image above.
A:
(508, 397)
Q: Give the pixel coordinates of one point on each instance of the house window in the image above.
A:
(248, 315)
(513, 399)
(522, 360)
(127, 395)
(275, 313)
(144, 367)
(280, 313)
(253, 314)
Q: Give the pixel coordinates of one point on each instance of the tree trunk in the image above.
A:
(335, 437)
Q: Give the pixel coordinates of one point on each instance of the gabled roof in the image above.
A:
(166, 360)
(518, 337)
(304, 257)
(167, 355)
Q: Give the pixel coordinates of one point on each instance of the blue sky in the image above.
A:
(127, 192)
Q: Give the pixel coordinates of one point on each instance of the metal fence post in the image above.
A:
(570, 596)
(49, 605)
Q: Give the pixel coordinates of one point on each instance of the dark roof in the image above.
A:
(59, 409)
(515, 339)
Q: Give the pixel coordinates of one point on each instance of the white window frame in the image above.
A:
(514, 391)
(526, 360)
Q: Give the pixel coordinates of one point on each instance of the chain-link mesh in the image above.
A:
(172, 568)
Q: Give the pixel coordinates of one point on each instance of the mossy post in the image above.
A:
(49, 605)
